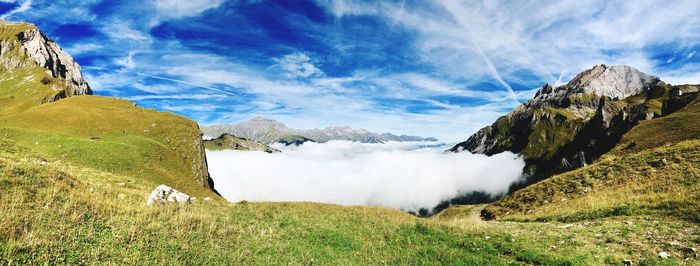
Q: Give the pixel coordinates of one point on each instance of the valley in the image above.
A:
(606, 171)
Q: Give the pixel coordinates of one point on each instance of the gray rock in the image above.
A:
(46, 53)
(613, 81)
(164, 194)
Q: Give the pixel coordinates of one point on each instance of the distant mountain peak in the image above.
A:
(613, 81)
(269, 131)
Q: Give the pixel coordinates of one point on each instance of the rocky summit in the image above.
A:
(30, 43)
(566, 127)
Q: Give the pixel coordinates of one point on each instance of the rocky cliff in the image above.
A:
(568, 126)
(23, 45)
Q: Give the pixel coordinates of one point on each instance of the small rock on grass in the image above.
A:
(664, 255)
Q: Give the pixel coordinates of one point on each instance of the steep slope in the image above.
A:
(34, 69)
(45, 106)
(268, 131)
(654, 170)
(230, 142)
(567, 127)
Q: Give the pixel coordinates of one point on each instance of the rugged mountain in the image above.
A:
(269, 131)
(654, 169)
(230, 142)
(23, 46)
(46, 107)
(569, 126)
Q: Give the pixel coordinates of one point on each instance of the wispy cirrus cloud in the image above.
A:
(434, 68)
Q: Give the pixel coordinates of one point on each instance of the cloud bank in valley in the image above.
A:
(395, 175)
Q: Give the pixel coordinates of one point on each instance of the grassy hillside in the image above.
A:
(115, 136)
(655, 170)
(56, 212)
(107, 134)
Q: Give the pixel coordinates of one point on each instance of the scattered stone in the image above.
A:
(627, 262)
(629, 222)
(673, 243)
(567, 226)
(207, 199)
(664, 255)
(121, 184)
(164, 194)
(121, 196)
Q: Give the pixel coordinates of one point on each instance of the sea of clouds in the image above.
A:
(407, 176)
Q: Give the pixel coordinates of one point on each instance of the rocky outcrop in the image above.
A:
(268, 131)
(47, 54)
(23, 45)
(164, 194)
(616, 82)
(230, 142)
(568, 126)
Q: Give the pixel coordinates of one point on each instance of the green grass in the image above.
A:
(55, 212)
(663, 181)
(655, 169)
(680, 126)
(115, 136)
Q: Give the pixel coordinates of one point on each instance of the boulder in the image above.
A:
(164, 194)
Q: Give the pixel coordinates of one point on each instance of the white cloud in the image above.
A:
(83, 48)
(690, 55)
(498, 39)
(298, 65)
(24, 6)
(184, 8)
(393, 175)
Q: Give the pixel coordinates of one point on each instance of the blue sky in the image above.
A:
(431, 68)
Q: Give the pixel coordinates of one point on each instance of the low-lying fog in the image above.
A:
(395, 175)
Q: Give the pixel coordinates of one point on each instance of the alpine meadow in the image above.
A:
(349, 132)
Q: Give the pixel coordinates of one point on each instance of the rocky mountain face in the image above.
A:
(23, 45)
(230, 142)
(568, 126)
(35, 72)
(269, 131)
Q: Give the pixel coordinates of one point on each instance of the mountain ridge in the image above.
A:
(268, 131)
(569, 126)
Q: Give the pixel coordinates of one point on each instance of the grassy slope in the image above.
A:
(57, 212)
(107, 134)
(657, 175)
(111, 135)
